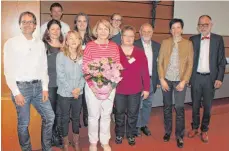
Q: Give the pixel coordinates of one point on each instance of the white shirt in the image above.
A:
(203, 65)
(149, 55)
(64, 28)
(25, 60)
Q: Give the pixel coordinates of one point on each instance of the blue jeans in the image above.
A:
(33, 95)
(145, 108)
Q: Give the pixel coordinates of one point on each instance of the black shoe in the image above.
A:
(57, 138)
(180, 143)
(85, 121)
(118, 140)
(138, 132)
(131, 141)
(166, 137)
(146, 131)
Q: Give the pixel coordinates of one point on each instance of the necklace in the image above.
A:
(73, 59)
(102, 45)
(128, 52)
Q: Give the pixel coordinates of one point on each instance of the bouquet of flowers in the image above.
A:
(105, 75)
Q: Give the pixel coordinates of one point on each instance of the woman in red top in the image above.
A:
(99, 109)
(134, 85)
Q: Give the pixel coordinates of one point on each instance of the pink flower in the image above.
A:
(106, 67)
(103, 69)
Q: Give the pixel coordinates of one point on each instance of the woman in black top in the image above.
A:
(82, 26)
(53, 40)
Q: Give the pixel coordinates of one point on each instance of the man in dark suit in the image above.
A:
(208, 72)
(151, 49)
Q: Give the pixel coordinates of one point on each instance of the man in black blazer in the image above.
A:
(151, 49)
(208, 72)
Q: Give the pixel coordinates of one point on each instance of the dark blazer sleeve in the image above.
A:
(221, 60)
(157, 48)
(138, 43)
(195, 62)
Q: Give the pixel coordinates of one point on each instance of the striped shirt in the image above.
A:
(96, 51)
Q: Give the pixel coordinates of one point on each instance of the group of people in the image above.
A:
(49, 74)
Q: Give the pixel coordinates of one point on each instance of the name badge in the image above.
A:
(131, 60)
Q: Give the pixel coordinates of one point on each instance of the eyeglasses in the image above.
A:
(147, 32)
(128, 36)
(117, 20)
(203, 25)
(27, 22)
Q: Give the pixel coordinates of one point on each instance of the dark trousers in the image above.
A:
(202, 88)
(179, 97)
(68, 104)
(130, 103)
(84, 106)
(55, 105)
(33, 95)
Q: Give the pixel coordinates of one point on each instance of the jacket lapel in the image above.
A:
(198, 40)
(211, 48)
(153, 53)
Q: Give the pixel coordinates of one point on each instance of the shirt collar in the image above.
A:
(146, 44)
(24, 38)
(206, 36)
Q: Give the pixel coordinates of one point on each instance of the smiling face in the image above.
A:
(116, 21)
(176, 29)
(128, 38)
(146, 32)
(73, 41)
(204, 25)
(54, 31)
(102, 31)
(56, 13)
(27, 24)
(81, 23)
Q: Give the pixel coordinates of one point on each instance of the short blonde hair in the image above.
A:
(105, 23)
(128, 27)
(79, 47)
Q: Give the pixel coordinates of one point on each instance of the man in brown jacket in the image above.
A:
(175, 64)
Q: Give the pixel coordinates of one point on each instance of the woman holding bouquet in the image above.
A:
(134, 85)
(97, 108)
(70, 83)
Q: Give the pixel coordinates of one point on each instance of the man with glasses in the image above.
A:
(56, 12)
(208, 72)
(25, 68)
(151, 49)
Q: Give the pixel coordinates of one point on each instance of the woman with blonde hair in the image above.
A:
(70, 83)
(99, 109)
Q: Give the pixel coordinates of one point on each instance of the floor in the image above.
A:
(218, 133)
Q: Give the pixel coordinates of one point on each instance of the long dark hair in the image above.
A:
(46, 38)
(88, 34)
